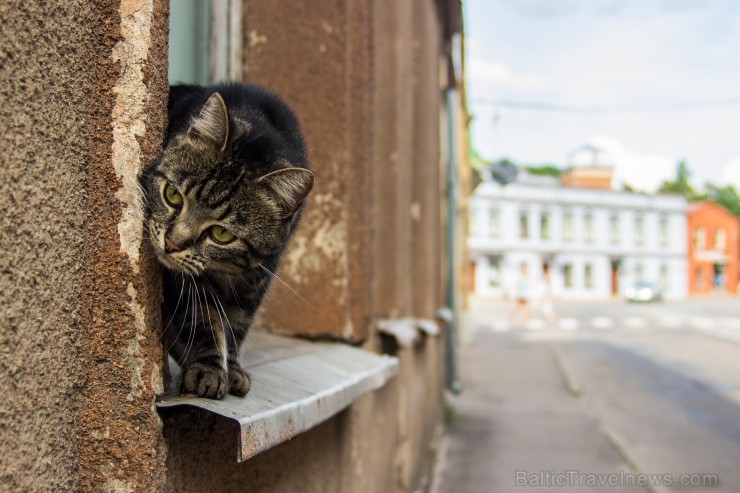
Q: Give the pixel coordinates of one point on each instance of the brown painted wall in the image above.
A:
(364, 78)
(83, 92)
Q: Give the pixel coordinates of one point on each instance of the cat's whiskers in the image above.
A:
(225, 348)
(208, 312)
(193, 323)
(184, 319)
(174, 312)
(142, 194)
(218, 304)
(233, 291)
(177, 338)
(274, 276)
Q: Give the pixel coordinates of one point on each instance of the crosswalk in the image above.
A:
(722, 327)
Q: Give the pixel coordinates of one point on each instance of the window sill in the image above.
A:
(295, 385)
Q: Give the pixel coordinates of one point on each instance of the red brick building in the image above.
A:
(713, 253)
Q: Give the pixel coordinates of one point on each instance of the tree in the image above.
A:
(544, 170)
(726, 196)
(682, 184)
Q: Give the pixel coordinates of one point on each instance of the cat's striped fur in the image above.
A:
(221, 203)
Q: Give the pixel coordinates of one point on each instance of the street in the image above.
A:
(609, 397)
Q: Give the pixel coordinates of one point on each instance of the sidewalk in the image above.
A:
(518, 427)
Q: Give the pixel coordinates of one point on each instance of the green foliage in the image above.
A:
(726, 196)
(682, 184)
(545, 170)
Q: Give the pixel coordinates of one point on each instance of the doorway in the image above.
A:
(615, 265)
(719, 278)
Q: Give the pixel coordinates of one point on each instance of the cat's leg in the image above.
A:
(239, 381)
(205, 370)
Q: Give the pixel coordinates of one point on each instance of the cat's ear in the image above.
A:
(291, 186)
(212, 123)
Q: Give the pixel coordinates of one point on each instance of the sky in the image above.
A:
(650, 82)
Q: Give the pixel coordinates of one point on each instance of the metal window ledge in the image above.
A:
(295, 385)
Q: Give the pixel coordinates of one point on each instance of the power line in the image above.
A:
(605, 109)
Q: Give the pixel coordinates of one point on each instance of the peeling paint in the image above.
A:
(415, 211)
(130, 118)
(129, 121)
(256, 39)
(117, 486)
(133, 351)
(324, 245)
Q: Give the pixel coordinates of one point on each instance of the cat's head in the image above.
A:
(225, 194)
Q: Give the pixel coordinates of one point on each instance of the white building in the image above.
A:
(593, 243)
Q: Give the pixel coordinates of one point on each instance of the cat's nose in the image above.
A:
(169, 246)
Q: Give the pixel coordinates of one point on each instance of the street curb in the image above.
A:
(571, 383)
(619, 444)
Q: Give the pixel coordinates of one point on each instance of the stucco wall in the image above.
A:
(83, 89)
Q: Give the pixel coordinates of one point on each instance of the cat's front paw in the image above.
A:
(239, 381)
(211, 382)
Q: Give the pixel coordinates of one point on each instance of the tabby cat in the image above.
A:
(221, 203)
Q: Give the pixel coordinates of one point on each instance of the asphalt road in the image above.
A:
(608, 397)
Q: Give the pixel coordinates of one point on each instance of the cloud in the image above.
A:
(492, 77)
(543, 9)
(644, 172)
(731, 173)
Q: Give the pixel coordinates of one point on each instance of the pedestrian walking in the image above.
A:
(520, 312)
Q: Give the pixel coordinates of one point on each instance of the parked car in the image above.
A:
(643, 291)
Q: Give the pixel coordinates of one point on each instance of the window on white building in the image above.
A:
(664, 279)
(568, 276)
(588, 228)
(568, 227)
(545, 226)
(663, 233)
(494, 271)
(639, 231)
(639, 272)
(473, 222)
(494, 223)
(614, 230)
(588, 276)
(523, 225)
(720, 240)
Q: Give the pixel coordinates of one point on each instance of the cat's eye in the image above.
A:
(222, 235)
(172, 196)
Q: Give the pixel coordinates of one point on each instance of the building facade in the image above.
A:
(713, 243)
(84, 90)
(576, 243)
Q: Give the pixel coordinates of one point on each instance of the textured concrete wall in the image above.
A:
(83, 89)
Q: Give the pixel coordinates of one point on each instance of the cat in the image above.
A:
(220, 204)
